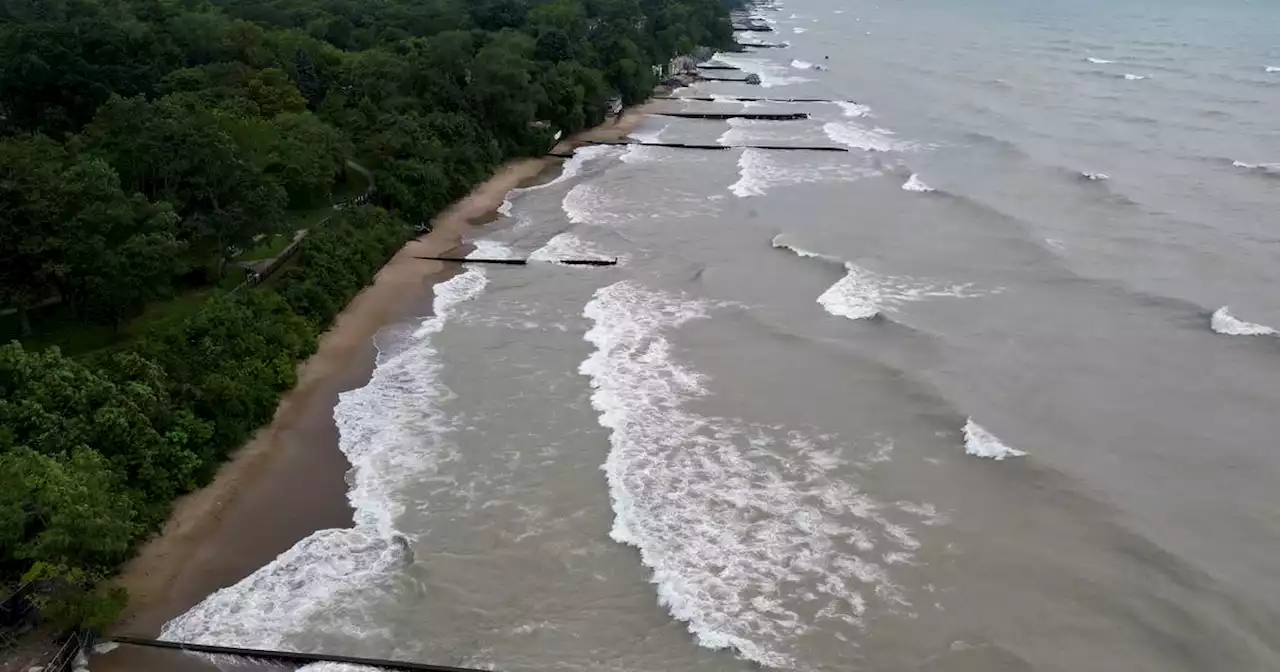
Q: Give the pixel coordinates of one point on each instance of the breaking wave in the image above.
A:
(914, 183)
(1273, 68)
(798, 30)
(571, 169)
(1270, 169)
(1098, 61)
(1134, 78)
(1095, 177)
(854, 136)
(981, 443)
(863, 294)
(568, 246)
(1224, 322)
(759, 170)
(852, 109)
(756, 535)
(391, 432)
(771, 74)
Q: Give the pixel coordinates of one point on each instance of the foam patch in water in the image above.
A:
(490, 249)
(1224, 322)
(752, 541)
(390, 431)
(1273, 68)
(801, 65)
(571, 168)
(760, 170)
(1095, 177)
(914, 183)
(1134, 78)
(852, 109)
(1098, 61)
(854, 136)
(771, 74)
(862, 294)
(568, 246)
(981, 443)
(798, 30)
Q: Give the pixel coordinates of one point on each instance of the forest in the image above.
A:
(149, 147)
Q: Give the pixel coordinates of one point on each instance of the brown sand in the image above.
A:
(289, 480)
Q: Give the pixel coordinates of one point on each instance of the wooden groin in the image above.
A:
(781, 116)
(764, 45)
(741, 80)
(754, 28)
(290, 657)
(524, 262)
(690, 145)
(736, 99)
(718, 67)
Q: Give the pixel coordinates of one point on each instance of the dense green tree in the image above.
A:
(144, 143)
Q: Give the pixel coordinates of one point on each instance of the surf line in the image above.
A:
(525, 262)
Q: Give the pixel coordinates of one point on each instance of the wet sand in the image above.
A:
(289, 480)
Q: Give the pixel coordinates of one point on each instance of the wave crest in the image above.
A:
(1224, 322)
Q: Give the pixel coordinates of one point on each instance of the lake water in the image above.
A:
(996, 390)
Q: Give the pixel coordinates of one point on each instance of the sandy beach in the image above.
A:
(289, 480)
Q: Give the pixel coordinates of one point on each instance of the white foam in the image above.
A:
(1098, 61)
(771, 74)
(802, 65)
(1270, 168)
(728, 515)
(571, 168)
(581, 202)
(852, 135)
(392, 434)
(863, 294)
(798, 30)
(1273, 68)
(914, 183)
(568, 246)
(852, 109)
(490, 249)
(1095, 177)
(1134, 78)
(981, 443)
(759, 170)
(650, 135)
(1224, 322)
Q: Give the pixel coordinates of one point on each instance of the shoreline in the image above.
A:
(289, 480)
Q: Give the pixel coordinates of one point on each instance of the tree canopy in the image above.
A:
(145, 145)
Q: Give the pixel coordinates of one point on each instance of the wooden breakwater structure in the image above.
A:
(741, 80)
(714, 66)
(753, 27)
(691, 145)
(523, 262)
(737, 99)
(764, 45)
(289, 657)
(721, 116)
